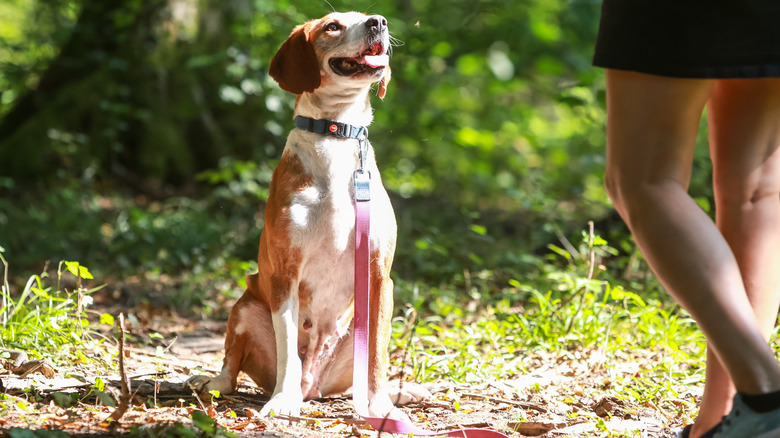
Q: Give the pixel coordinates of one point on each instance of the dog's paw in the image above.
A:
(402, 393)
(380, 406)
(203, 384)
(283, 403)
(196, 383)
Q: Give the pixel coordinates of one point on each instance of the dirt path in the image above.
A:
(546, 402)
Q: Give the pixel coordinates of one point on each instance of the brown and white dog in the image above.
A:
(291, 330)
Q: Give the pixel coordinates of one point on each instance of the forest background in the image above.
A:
(138, 138)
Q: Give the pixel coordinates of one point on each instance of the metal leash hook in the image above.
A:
(362, 176)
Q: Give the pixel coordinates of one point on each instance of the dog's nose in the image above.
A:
(376, 23)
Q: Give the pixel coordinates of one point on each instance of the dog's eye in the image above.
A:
(333, 27)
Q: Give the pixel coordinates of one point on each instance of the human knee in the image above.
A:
(735, 196)
(615, 188)
(634, 196)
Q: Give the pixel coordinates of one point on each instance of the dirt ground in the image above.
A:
(559, 398)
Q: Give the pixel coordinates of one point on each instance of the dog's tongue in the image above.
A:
(377, 60)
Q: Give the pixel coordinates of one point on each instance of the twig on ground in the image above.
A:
(196, 395)
(126, 396)
(329, 420)
(156, 385)
(660, 411)
(156, 374)
(503, 400)
(5, 291)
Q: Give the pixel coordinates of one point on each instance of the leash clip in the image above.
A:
(362, 176)
(362, 179)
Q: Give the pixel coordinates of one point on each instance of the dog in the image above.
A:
(291, 329)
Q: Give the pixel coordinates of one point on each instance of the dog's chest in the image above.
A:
(315, 194)
(322, 215)
(322, 221)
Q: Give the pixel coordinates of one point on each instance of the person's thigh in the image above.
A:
(652, 124)
(744, 125)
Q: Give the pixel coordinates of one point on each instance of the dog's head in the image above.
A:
(342, 49)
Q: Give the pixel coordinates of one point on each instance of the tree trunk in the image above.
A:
(106, 42)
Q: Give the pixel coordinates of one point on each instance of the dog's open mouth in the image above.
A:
(371, 61)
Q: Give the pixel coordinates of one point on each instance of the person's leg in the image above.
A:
(744, 119)
(716, 400)
(651, 130)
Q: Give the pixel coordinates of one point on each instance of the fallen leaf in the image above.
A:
(240, 426)
(608, 406)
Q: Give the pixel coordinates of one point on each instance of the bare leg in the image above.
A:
(744, 136)
(718, 394)
(652, 126)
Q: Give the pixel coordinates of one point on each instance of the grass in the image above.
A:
(46, 320)
(55, 322)
(577, 312)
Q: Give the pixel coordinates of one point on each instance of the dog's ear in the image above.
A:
(295, 65)
(383, 83)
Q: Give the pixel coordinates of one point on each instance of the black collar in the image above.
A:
(336, 129)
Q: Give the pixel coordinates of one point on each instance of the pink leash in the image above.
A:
(361, 321)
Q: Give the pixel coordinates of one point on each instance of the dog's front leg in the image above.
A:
(287, 397)
(381, 312)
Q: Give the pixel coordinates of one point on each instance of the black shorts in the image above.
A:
(691, 38)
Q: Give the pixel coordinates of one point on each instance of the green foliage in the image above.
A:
(507, 116)
(204, 428)
(242, 182)
(511, 133)
(16, 432)
(48, 320)
(122, 236)
(30, 35)
(99, 390)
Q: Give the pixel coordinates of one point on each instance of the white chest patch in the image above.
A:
(303, 202)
